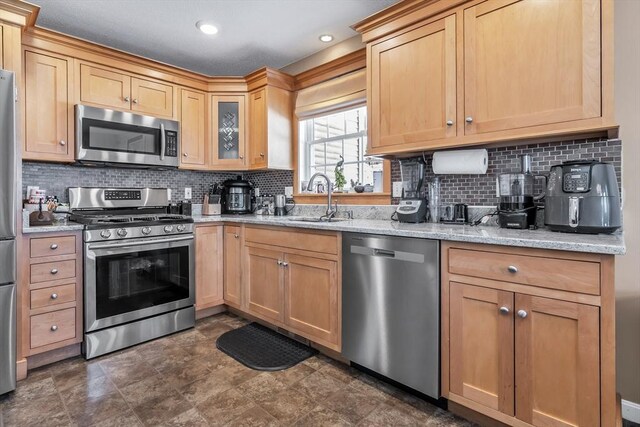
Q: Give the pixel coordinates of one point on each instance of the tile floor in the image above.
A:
(183, 380)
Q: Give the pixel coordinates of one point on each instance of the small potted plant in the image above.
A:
(340, 178)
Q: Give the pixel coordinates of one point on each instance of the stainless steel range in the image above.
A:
(139, 263)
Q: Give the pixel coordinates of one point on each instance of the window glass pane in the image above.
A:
(334, 151)
(352, 150)
(336, 124)
(320, 127)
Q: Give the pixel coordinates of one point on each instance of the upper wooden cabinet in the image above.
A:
(48, 111)
(228, 135)
(111, 89)
(454, 73)
(194, 140)
(270, 128)
(529, 63)
(417, 65)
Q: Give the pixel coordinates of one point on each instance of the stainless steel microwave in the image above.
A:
(118, 138)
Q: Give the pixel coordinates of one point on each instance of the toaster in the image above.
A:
(582, 197)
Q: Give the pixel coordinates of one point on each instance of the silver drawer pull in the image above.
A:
(236, 236)
(54, 271)
(54, 296)
(285, 264)
(279, 262)
(512, 269)
(522, 314)
(54, 328)
(53, 246)
(504, 310)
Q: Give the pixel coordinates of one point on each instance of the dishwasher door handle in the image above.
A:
(384, 253)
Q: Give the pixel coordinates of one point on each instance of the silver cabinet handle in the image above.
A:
(54, 328)
(63, 142)
(135, 100)
(54, 271)
(279, 262)
(185, 154)
(449, 122)
(261, 154)
(504, 310)
(53, 246)
(469, 119)
(236, 236)
(241, 157)
(54, 296)
(126, 99)
(522, 314)
(285, 264)
(512, 269)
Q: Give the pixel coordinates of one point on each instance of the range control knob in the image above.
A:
(105, 234)
(146, 230)
(122, 232)
(180, 228)
(168, 228)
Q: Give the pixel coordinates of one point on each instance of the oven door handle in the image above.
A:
(139, 243)
(163, 141)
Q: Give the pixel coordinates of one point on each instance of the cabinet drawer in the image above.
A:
(53, 327)
(561, 274)
(50, 246)
(294, 239)
(53, 271)
(53, 296)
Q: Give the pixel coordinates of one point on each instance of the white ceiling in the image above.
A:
(252, 33)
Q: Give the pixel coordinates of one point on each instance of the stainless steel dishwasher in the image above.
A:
(391, 308)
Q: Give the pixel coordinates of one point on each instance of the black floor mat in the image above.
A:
(263, 349)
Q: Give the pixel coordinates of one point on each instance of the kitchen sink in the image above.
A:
(317, 219)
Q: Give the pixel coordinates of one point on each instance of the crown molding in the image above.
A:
(18, 12)
(340, 66)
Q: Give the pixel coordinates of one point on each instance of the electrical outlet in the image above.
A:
(169, 193)
(256, 192)
(397, 189)
(288, 191)
(187, 193)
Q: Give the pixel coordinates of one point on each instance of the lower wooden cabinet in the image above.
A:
(233, 265)
(295, 289)
(209, 266)
(525, 354)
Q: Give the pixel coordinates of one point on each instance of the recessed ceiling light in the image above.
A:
(207, 27)
(326, 38)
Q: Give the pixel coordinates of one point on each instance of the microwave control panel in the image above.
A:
(171, 147)
(122, 194)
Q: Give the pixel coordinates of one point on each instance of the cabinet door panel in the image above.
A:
(481, 346)
(557, 363)
(265, 290)
(530, 63)
(311, 289)
(209, 266)
(47, 108)
(232, 265)
(258, 125)
(104, 88)
(152, 98)
(227, 124)
(413, 85)
(193, 131)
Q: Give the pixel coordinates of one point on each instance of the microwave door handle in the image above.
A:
(163, 141)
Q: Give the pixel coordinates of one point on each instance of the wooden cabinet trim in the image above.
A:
(52, 246)
(325, 243)
(45, 297)
(42, 333)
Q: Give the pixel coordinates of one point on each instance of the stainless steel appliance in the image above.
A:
(583, 197)
(237, 196)
(517, 206)
(413, 206)
(391, 308)
(8, 208)
(139, 267)
(126, 139)
(280, 205)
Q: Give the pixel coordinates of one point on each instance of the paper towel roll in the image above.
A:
(460, 162)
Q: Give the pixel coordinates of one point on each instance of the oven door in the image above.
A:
(132, 280)
(108, 136)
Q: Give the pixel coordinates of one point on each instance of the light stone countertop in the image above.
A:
(612, 244)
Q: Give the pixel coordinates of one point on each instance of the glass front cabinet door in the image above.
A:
(228, 125)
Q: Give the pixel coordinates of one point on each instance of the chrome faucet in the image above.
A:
(330, 211)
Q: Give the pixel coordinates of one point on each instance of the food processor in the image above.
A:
(517, 202)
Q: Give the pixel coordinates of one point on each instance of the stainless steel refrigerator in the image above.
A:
(8, 200)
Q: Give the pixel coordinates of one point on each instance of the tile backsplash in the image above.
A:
(480, 190)
(470, 189)
(57, 178)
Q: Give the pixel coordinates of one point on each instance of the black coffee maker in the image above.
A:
(517, 202)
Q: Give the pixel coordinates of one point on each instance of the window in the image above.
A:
(324, 139)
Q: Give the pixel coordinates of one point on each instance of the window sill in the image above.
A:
(344, 198)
